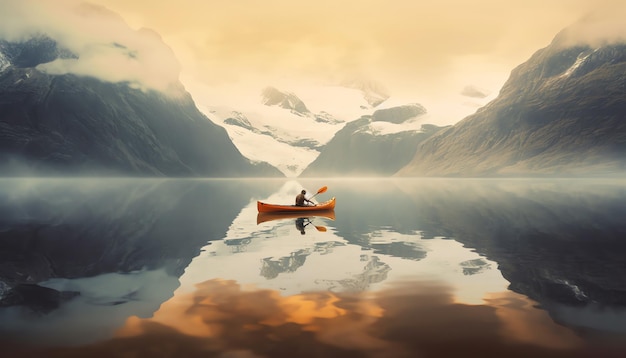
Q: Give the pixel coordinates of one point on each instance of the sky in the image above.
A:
(407, 45)
(421, 51)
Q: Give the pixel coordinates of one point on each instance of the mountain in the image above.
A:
(68, 124)
(326, 129)
(374, 145)
(559, 249)
(559, 113)
(399, 114)
(273, 97)
(289, 128)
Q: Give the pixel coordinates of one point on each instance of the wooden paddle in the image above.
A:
(321, 190)
(319, 228)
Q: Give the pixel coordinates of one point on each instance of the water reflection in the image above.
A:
(400, 268)
(223, 318)
(78, 257)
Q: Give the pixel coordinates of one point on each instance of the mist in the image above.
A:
(603, 26)
(105, 46)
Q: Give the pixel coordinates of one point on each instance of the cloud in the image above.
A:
(107, 48)
(410, 46)
(604, 25)
(222, 318)
(474, 92)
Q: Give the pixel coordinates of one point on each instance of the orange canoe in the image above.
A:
(276, 208)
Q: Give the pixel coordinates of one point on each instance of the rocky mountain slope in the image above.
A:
(376, 145)
(560, 113)
(67, 124)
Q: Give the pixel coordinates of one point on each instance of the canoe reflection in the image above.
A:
(265, 217)
(302, 220)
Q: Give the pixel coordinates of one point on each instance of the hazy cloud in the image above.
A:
(414, 47)
(108, 49)
(474, 92)
(601, 26)
(222, 319)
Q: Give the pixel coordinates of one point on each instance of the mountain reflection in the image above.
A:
(272, 267)
(560, 241)
(473, 267)
(374, 271)
(78, 256)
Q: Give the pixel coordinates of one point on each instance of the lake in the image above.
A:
(401, 268)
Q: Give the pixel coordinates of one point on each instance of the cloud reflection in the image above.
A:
(222, 318)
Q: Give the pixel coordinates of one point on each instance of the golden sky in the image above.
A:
(420, 51)
(406, 45)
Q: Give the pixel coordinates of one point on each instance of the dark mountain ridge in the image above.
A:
(560, 113)
(77, 125)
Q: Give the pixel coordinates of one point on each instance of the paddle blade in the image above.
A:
(320, 228)
(321, 190)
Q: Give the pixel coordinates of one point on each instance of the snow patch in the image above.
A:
(385, 128)
(273, 135)
(4, 62)
(579, 61)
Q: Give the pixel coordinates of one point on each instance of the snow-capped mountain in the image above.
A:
(288, 128)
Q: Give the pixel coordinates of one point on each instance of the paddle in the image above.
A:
(320, 228)
(321, 190)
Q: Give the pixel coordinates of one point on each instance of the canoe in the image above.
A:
(277, 208)
(280, 215)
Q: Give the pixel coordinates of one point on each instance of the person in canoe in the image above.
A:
(301, 199)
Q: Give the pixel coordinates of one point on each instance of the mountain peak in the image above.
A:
(399, 114)
(32, 52)
(271, 96)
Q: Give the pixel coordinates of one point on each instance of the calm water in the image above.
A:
(402, 268)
